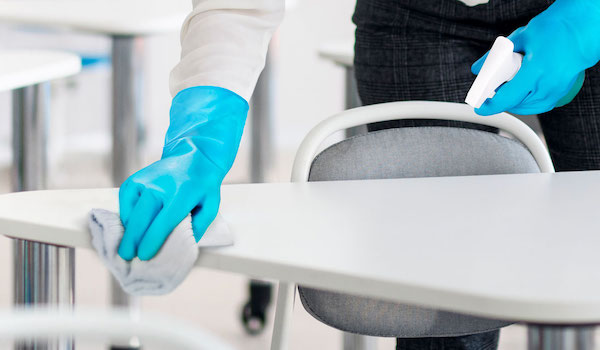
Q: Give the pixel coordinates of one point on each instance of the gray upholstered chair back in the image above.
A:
(402, 153)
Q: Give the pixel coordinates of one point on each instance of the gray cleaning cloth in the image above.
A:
(168, 268)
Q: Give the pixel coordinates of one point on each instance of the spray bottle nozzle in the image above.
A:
(500, 66)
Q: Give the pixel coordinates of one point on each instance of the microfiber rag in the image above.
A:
(168, 268)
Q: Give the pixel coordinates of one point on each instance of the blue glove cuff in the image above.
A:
(209, 119)
(582, 17)
(202, 105)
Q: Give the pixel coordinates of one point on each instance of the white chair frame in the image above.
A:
(104, 325)
(383, 112)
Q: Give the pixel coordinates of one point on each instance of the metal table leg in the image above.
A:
(352, 100)
(127, 87)
(29, 111)
(127, 105)
(286, 294)
(544, 337)
(261, 113)
(43, 273)
(254, 312)
(351, 94)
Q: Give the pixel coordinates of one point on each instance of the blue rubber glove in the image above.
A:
(558, 45)
(200, 147)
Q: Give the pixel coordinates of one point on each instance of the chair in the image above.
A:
(402, 153)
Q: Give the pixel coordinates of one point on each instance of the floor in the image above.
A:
(209, 300)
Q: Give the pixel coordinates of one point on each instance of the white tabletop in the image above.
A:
(112, 17)
(518, 247)
(340, 52)
(20, 68)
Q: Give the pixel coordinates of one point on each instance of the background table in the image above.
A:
(27, 73)
(341, 53)
(515, 247)
(126, 22)
(22, 68)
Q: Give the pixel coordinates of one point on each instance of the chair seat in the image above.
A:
(422, 152)
(379, 318)
(403, 153)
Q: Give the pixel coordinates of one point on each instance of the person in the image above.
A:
(223, 51)
(405, 50)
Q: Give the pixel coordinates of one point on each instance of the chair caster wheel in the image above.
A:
(254, 322)
(254, 312)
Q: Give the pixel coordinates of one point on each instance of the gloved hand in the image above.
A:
(200, 147)
(558, 45)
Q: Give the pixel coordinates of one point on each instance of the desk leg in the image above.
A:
(352, 100)
(261, 114)
(127, 65)
(127, 88)
(544, 337)
(286, 294)
(261, 144)
(43, 273)
(29, 117)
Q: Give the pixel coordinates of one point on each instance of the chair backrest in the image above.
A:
(410, 152)
(101, 325)
(414, 110)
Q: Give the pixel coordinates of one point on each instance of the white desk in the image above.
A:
(126, 22)
(516, 247)
(339, 52)
(21, 68)
(112, 17)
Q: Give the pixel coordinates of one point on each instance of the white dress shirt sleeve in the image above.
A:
(224, 43)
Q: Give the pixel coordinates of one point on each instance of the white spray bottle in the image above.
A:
(500, 66)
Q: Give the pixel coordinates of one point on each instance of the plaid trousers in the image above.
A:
(423, 50)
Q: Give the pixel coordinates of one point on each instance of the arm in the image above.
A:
(224, 45)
